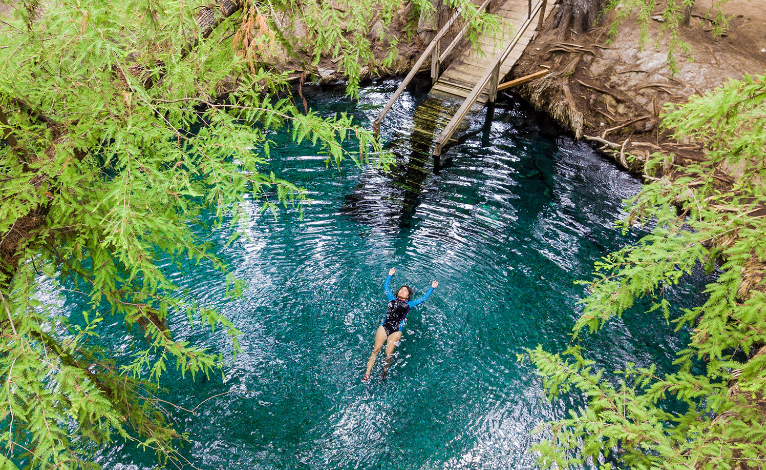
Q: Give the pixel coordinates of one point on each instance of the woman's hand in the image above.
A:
(391, 272)
(434, 284)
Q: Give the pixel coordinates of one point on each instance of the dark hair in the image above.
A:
(409, 292)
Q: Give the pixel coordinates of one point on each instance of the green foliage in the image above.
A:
(341, 30)
(672, 13)
(698, 221)
(120, 127)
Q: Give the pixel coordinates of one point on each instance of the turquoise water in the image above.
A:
(515, 216)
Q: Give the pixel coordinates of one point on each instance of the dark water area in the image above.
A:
(513, 218)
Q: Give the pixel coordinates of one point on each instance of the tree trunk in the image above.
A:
(687, 14)
(576, 16)
(210, 17)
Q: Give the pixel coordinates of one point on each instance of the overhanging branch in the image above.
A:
(209, 18)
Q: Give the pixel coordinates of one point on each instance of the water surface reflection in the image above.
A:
(513, 218)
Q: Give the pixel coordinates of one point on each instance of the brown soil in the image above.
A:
(615, 92)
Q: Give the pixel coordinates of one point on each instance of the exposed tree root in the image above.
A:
(601, 90)
(603, 134)
(602, 141)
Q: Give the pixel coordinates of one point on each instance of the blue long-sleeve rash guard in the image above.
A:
(411, 303)
(394, 319)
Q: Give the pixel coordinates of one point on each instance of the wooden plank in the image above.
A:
(485, 41)
(467, 76)
(473, 73)
(449, 90)
(458, 84)
(467, 73)
(462, 75)
(458, 92)
(469, 62)
(447, 86)
(524, 79)
(512, 18)
(460, 81)
(509, 10)
(488, 45)
(486, 58)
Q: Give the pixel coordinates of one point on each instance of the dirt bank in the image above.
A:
(615, 93)
(407, 33)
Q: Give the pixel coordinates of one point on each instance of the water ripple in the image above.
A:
(513, 218)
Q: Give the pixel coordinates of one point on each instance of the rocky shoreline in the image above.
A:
(614, 93)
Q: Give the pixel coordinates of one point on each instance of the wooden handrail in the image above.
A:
(459, 35)
(431, 46)
(494, 69)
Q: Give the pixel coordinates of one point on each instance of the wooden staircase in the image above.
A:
(460, 77)
(474, 76)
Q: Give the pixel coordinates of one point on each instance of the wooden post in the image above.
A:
(435, 63)
(493, 83)
(529, 10)
(687, 14)
(487, 129)
(542, 16)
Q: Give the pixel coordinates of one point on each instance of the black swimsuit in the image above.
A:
(395, 315)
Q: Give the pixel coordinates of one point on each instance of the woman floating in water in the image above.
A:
(391, 328)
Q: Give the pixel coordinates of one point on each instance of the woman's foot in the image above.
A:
(383, 374)
(366, 378)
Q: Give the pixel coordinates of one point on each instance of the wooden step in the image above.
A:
(450, 90)
(464, 86)
(463, 74)
(472, 72)
(456, 93)
(460, 76)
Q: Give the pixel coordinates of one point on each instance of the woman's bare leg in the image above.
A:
(380, 338)
(393, 340)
